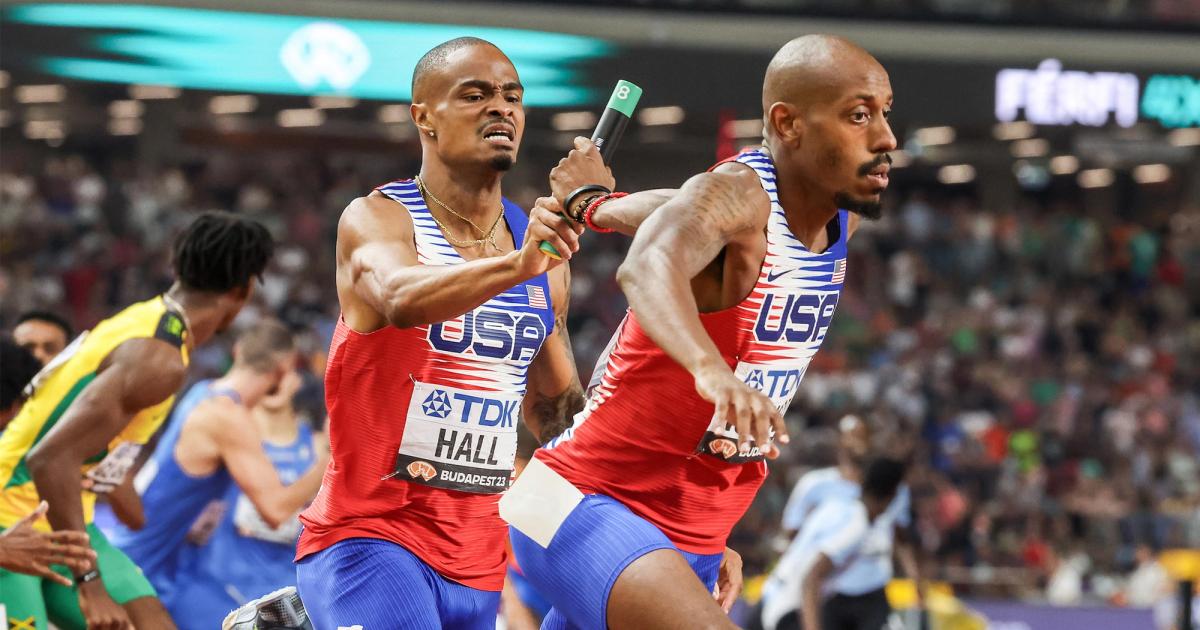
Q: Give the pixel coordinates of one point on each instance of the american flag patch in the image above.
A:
(537, 297)
(839, 272)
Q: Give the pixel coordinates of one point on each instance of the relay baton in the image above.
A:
(608, 131)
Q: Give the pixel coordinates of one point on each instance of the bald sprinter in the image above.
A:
(821, 91)
(732, 282)
(452, 321)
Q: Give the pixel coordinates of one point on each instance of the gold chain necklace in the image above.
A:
(488, 237)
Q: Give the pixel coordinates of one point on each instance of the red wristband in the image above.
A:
(591, 209)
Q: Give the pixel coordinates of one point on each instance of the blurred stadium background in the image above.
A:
(1027, 314)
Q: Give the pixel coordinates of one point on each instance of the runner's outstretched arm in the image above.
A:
(377, 252)
(625, 214)
(677, 242)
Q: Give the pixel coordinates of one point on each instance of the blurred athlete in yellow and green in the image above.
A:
(95, 405)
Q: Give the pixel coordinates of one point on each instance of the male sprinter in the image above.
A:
(250, 554)
(732, 283)
(212, 444)
(43, 333)
(871, 569)
(805, 583)
(452, 321)
(96, 404)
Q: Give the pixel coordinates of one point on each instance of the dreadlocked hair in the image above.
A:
(221, 251)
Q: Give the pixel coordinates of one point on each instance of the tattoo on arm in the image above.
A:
(719, 212)
(675, 244)
(693, 227)
(555, 414)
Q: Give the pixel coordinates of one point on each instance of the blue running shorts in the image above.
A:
(380, 585)
(590, 550)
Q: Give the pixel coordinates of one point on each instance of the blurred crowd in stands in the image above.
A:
(1043, 364)
(1040, 363)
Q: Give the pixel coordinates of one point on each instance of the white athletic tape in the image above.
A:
(539, 502)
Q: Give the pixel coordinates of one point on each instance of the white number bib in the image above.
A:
(111, 471)
(459, 439)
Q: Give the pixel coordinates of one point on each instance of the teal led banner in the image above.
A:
(1173, 100)
(287, 54)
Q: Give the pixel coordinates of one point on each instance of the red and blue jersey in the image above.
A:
(647, 439)
(422, 420)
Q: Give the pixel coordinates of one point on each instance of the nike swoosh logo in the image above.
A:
(772, 276)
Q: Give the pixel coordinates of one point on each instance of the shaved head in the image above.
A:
(434, 60)
(825, 107)
(468, 104)
(814, 68)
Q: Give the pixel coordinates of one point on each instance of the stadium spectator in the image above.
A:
(43, 333)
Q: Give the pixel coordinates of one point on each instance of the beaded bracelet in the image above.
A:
(583, 206)
(569, 201)
(591, 210)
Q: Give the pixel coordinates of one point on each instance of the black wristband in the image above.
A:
(90, 576)
(586, 188)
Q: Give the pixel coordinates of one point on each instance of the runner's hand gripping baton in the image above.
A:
(608, 131)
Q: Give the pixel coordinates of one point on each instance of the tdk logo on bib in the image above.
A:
(779, 384)
(490, 333)
(437, 404)
(470, 408)
(801, 318)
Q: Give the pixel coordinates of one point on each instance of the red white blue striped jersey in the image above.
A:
(647, 439)
(423, 420)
